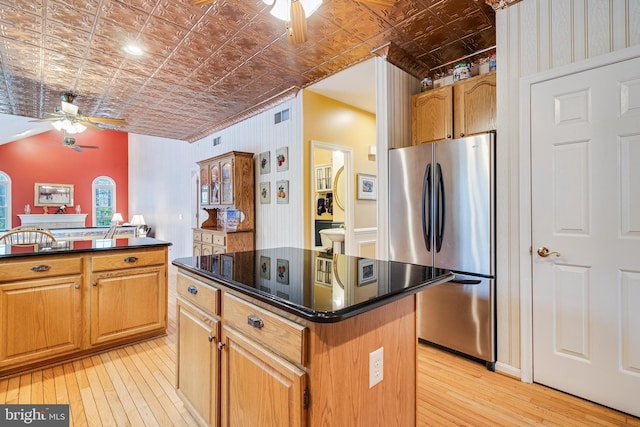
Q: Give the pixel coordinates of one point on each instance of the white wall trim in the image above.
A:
(526, 279)
(508, 369)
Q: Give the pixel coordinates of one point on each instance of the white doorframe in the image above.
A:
(348, 204)
(525, 258)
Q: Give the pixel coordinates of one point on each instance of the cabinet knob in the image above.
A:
(77, 286)
(211, 338)
(131, 259)
(461, 134)
(255, 321)
(192, 290)
(40, 268)
(94, 283)
(220, 345)
(449, 136)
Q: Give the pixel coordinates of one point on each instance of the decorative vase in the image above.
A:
(27, 209)
(78, 210)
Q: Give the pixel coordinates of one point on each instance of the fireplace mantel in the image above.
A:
(54, 220)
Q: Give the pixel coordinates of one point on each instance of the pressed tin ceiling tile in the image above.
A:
(222, 59)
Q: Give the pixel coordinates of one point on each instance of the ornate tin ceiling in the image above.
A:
(205, 67)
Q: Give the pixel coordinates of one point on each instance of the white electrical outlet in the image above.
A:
(376, 367)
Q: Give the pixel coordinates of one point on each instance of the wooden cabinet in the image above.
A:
(230, 185)
(53, 307)
(209, 242)
(40, 319)
(464, 108)
(277, 369)
(258, 387)
(431, 115)
(198, 358)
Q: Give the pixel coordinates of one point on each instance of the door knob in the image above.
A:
(544, 252)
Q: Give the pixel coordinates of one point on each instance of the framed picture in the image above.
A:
(265, 193)
(367, 188)
(283, 192)
(227, 267)
(265, 162)
(367, 271)
(282, 159)
(282, 274)
(265, 267)
(53, 194)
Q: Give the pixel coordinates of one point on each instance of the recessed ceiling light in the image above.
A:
(133, 49)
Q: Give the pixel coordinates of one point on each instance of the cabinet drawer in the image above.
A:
(121, 260)
(201, 294)
(197, 236)
(38, 268)
(219, 250)
(282, 335)
(207, 238)
(219, 239)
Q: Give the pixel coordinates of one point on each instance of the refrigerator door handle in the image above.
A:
(465, 281)
(440, 209)
(426, 207)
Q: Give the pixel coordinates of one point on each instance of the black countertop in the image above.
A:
(314, 285)
(77, 246)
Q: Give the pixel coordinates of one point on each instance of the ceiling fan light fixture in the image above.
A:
(133, 49)
(68, 126)
(282, 8)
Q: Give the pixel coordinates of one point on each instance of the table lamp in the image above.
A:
(138, 221)
(116, 219)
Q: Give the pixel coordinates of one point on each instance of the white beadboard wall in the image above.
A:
(534, 36)
(276, 224)
(160, 188)
(394, 88)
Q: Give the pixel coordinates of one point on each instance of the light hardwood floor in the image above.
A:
(134, 386)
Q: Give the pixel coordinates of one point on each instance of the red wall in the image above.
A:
(43, 158)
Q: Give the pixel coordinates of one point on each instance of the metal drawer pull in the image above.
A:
(192, 289)
(255, 321)
(220, 345)
(94, 283)
(131, 259)
(77, 286)
(40, 268)
(211, 338)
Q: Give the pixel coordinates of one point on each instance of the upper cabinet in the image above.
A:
(464, 108)
(227, 182)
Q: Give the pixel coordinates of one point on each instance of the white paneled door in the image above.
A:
(585, 166)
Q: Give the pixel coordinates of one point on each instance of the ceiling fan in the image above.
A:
(70, 142)
(68, 117)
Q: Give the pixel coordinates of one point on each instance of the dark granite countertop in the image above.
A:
(77, 246)
(314, 285)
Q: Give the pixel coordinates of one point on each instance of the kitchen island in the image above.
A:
(292, 337)
(70, 298)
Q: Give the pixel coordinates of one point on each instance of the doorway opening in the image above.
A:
(332, 195)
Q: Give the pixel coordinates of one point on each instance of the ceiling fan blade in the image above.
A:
(91, 125)
(51, 119)
(297, 30)
(75, 147)
(106, 120)
(88, 146)
(385, 3)
(201, 2)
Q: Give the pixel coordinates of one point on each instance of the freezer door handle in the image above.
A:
(426, 207)
(465, 281)
(440, 208)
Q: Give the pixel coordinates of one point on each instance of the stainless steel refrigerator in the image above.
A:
(442, 214)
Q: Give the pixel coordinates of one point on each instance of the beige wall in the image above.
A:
(331, 121)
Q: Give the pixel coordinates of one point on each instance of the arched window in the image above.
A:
(104, 200)
(5, 201)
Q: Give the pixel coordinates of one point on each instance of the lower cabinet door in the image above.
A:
(197, 380)
(259, 388)
(127, 303)
(39, 319)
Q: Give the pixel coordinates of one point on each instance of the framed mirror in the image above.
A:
(338, 188)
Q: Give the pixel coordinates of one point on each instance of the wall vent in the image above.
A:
(281, 116)
(217, 140)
